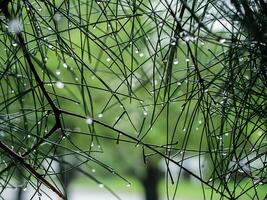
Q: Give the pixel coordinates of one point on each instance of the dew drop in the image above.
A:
(57, 17)
(100, 185)
(128, 185)
(65, 65)
(93, 170)
(15, 26)
(173, 43)
(187, 38)
(145, 113)
(89, 121)
(141, 54)
(58, 72)
(108, 59)
(59, 85)
(222, 41)
(175, 61)
(100, 115)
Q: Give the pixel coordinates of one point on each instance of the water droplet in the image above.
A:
(100, 115)
(59, 85)
(100, 185)
(219, 137)
(14, 44)
(179, 83)
(187, 38)
(65, 65)
(57, 17)
(89, 121)
(141, 54)
(108, 59)
(145, 113)
(200, 122)
(58, 72)
(222, 41)
(93, 170)
(187, 60)
(175, 61)
(25, 189)
(128, 185)
(15, 26)
(173, 43)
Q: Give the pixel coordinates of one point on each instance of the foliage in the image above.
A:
(172, 78)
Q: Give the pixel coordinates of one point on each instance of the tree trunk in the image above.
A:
(150, 182)
(19, 195)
